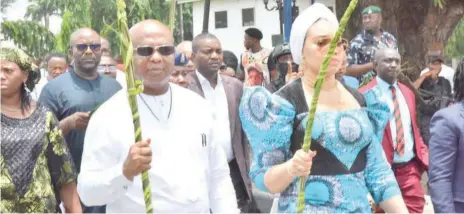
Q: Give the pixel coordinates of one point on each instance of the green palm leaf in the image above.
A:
(133, 87)
(172, 15)
(317, 89)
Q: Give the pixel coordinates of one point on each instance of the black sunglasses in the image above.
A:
(84, 47)
(164, 50)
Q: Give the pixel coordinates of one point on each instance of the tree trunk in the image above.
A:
(418, 25)
(47, 21)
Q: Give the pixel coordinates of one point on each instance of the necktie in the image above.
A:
(399, 124)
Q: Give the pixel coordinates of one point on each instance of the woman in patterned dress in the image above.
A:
(346, 161)
(37, 171)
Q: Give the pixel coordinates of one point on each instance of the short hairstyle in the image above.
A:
(199, 38)
(230, 59)
(459, 82)
(57, 55)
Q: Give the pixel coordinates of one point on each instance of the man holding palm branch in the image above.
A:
(187, 171)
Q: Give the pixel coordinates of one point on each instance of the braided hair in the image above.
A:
(459, 82)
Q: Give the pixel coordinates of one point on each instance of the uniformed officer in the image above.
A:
(364, 45)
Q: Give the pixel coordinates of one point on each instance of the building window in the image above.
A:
(248, 17)
(220, 19)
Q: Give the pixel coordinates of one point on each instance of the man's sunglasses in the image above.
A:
(164, 50)
(84, 47)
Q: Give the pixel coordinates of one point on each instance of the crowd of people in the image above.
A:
(213, 124)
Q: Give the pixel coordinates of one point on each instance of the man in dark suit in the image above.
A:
(224, 93)
(402, 142)
(446, 175)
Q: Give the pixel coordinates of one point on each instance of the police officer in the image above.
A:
(364, 45)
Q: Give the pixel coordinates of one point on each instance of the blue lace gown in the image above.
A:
(350, 161)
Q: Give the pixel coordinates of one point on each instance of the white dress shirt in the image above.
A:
(405, 119)
(218, 100)
(187, 174)
(35, 94)
(446, 72)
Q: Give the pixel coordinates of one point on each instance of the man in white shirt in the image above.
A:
(107, 67)
(56, 65)
(435, 66)
(188, 172)
(223, 93)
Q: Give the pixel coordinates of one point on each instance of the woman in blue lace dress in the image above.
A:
(346, 161)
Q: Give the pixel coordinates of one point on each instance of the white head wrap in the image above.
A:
(301, 25)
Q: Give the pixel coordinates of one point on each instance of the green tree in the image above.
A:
(5, 4)
(42, 10)
(30, 36)
(75, 16)
(455, 46)
(419, 25)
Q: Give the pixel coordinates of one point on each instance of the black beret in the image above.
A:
(255, 33)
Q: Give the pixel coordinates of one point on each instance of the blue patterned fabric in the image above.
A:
(268, 122)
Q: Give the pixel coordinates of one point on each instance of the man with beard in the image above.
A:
(402, 141)
(364, 45)
(187, 169)
(74, 95)
(223, 93)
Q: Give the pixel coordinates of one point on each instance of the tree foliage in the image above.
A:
(40, 10)
(75, 16)
(455, 46)
(5, 4)
(30, 36)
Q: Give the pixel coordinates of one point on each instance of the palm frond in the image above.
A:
(134, 87)
(317, 89)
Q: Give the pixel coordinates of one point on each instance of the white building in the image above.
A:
(228, 19)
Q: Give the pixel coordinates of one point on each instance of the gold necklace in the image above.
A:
(11, 109)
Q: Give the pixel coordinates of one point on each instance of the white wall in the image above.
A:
(232, 36)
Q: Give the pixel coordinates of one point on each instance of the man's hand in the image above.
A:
(138, 159)
(80, 120)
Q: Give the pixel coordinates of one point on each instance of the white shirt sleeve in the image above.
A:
(101, 180)
(221, 190)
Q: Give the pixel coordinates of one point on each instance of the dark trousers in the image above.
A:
(459, 207)
(245, 204)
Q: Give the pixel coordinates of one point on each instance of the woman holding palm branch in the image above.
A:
(346, 161)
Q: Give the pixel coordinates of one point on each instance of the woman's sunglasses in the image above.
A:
(84, 47)
(164, 50)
